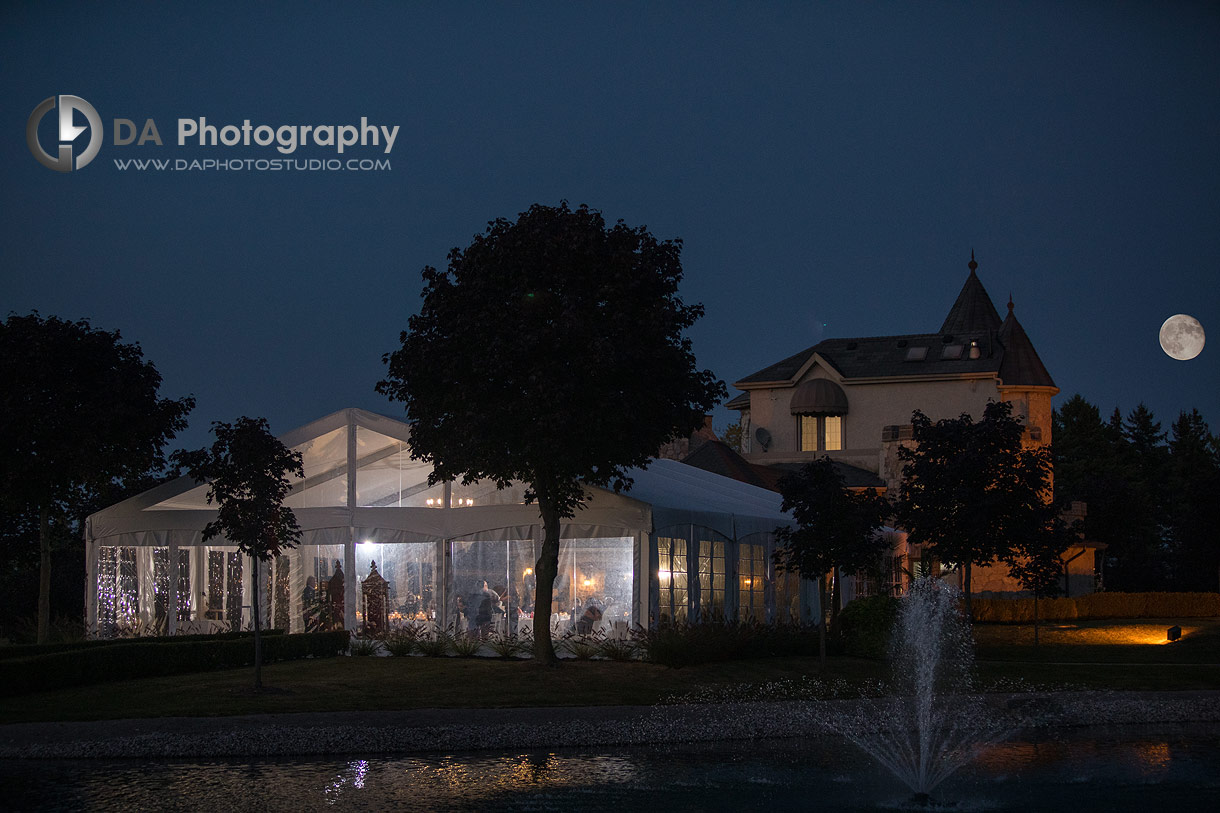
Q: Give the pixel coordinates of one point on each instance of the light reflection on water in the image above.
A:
(1111, 768)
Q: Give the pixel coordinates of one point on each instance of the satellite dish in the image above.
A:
(763, 437)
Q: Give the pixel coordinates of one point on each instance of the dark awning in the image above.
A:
(819, 397)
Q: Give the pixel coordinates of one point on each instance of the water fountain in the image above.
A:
(929, 723)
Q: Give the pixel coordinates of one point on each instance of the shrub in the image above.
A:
(865, 625)
(1149, 605)
(438, 645)
(402, 642)
(507, 646)
(1021, 610)
(1097, 606)
(365, 647)
(685, 644)
(465, 644)
(155, 657)
(30, 650)
(581, 647)
(62, 629)
(618, 649)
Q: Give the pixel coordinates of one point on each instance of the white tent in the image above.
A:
(365, 507)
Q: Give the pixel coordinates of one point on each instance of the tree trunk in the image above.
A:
(835, 596)
(545, 570)
(44, 574)
(969, 614)
(1035, 618)
(822, 620)
(258, 638)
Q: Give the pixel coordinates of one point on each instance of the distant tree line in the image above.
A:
(1148, 493)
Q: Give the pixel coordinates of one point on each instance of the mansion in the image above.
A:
(851, 400)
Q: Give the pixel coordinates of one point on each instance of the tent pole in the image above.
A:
(349, 553)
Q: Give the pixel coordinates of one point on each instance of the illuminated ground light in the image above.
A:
(1144, 634)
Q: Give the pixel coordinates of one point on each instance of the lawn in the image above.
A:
(339, 684)
(1098, 655)
(1107, 641)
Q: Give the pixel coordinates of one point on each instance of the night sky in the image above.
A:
(828, 167)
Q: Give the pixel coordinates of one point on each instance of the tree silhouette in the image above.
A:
(80, 417)
(970, 491)
(1194, 481)
(835, 528)
(550, 352)
(246, 470)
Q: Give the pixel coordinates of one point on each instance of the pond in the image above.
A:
(1102, 768)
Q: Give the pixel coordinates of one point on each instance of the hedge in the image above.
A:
(684, 644)
(866, 624)
(138, 658)
(30, 650)
(1096, 606)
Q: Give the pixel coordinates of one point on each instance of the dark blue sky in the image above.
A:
(829, 167)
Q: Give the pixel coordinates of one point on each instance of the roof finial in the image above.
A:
(973, 264)
(1010, 301)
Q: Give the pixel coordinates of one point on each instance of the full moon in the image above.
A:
(1182, 337)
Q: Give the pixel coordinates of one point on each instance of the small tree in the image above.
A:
(247, 470)
(835, 528)
(732, 437)
(80, 417)
(550, 352)
(1036, 558)
(970, 491)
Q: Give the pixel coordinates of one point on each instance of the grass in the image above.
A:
(349, 684)
(1106, 642)
(1103, 654)
(1096, 655)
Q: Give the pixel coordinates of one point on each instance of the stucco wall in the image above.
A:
(870, 408)
(993, 580)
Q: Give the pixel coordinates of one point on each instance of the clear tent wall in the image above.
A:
(383, 549)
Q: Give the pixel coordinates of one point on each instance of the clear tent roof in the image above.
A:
(386, 479)
(386, 476)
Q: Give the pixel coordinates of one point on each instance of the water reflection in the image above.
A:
(473, 777)
(353, 775)
(1114, 769)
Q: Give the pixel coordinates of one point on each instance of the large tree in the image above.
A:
(835, 528)
(79, 415)
(1145, 459)
(1095, 462)
(551, 352)
(971, 490)
(1087, 465)
(1193, 483)
(246, 470)
(1148, 501)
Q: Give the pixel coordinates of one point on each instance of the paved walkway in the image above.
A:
(431, 730)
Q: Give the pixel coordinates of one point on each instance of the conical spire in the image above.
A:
(973, 311)
(1021, 366)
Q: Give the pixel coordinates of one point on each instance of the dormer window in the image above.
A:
(819, 405)
(916, 353)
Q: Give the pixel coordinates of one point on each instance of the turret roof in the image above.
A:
(973, 311)
(1021, 366)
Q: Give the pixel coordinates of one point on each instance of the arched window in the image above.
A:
(820, 405)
